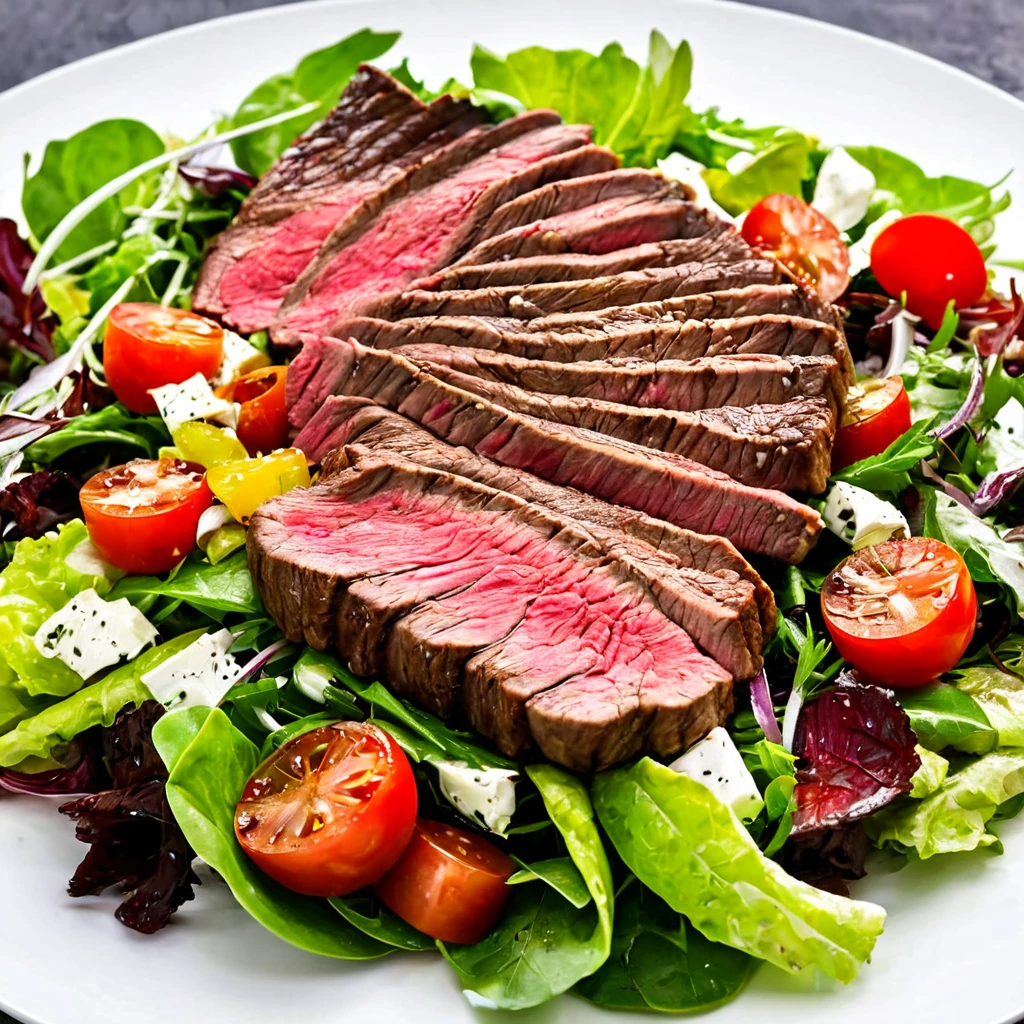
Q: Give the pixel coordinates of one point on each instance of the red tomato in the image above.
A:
(902, 612)
(449, 883)
(877, 412)
(805, 241)
(330, 811)
(146, 346)
(263, 418)
(934, 261)
(143, 515)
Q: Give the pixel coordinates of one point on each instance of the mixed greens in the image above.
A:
(641, 888)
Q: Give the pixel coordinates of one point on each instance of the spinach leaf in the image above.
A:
(681, 841)
(659, 962)
(560, 873)
(112, 425)
(209, 762)
(213, 589)
(319, 77)
(372, 918)
(543, 944)
(889, 471)
(72, 169)
(944, 716)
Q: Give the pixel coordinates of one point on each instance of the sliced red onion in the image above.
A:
(951, 489)
(761, 704)
(996, 488)
(990, 341)
(971, 404)
(81, 780)
(1016, 534)
(215, 181)
(257, 662)
(902, 340)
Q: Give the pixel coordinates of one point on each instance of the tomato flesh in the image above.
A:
(143, 516)
(330, 811)
(931, 259)
(263, 417)
(902, 612)
(877, 412)
(803, 240)
(450, 884)
(146, 346)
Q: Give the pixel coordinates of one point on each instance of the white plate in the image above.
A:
(951, 951)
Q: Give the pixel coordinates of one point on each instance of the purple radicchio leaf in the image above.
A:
(24, 319)
(990, 341)
(215, 181)
(972, 403)
(38, 502)
(761, 705)
(857, 751)
(995, 489)
(88, 775)
(829, 858)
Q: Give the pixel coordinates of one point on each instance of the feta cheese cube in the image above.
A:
(239, 358)
(487, 795)
(716, 763)
(843, 190)
(862, 518)
(193, 399)
(90, 634)
(200, 674)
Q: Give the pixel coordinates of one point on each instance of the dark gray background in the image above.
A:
(984, 37)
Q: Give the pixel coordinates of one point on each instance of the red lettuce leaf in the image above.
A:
(857, 750)
(87, 776)
(24, 319)
(828, 859)
(215, 181)
(36, 503)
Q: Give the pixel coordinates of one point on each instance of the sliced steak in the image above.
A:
(721, 243)
(340, 422)
(563, 196)
(662, 485)
(707, 383)
(770, 334)
(633, 286)
(376, 133)
(432, 214)
(788, 447)
(496, 610)
(614, 224)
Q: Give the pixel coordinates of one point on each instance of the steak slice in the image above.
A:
(721, 243)
(432, 214)
(706, 383)
(788, 447)
(500, 612)
(632, 286)
(620, 223)
(563, 196)
(341, 421)
(375, 134)
(663, 485)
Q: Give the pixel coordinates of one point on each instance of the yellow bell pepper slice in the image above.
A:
(206, 444)
(244, 485)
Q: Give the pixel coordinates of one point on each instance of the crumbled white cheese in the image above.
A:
(200, 674)
(716, 763)
(89, 634)
(690, 172)
(860, 251)
(193, 399)
(487, 795)
(210, 522)
(843, 190)
(861, 518)
(239, 358)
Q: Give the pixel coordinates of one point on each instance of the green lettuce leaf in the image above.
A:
(319, 77)
(544, 945)
(687, 846)
(209, 762)
(112, 426)
(37, 582)
(660, 962)
(1001, 696)
(48, 732)
(930, 776)
(953, 818)
(637, 112)
(943, 716)
(782, 167)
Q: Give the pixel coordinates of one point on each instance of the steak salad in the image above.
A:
(534, 520)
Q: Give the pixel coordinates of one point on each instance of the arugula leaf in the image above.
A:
(74, 168)
(945, 716)
(319, 77)
(209, 762)
(889, 471)
(680, 840)
(636, 112)
(660, 962)
(112, 425)
(771, 758)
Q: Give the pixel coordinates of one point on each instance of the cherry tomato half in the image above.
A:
(146, 346)
(143, 515)
(330, 811)
(803, 240)
(263, 418)
(934, 261)
(877, 412)
(449, 884)
(902, 612)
